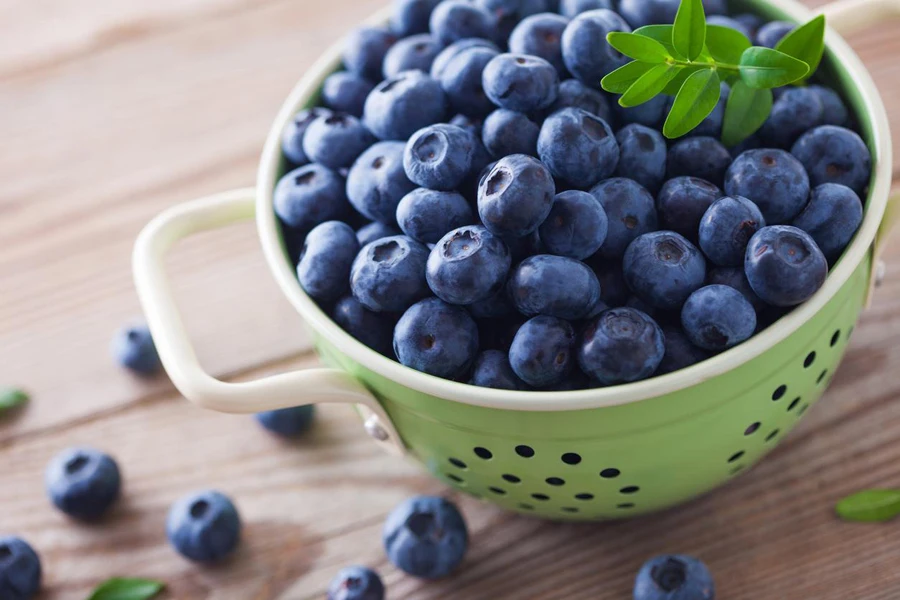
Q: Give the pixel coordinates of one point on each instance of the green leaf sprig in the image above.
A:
(11, 398)
(690, 59)
(127, 588)
(870, 506)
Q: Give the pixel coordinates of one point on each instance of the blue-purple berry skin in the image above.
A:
(20, 569)
(204, 526)
(674, 577)
(292, 137)
(663, 268)
(287, 422)
(403, 104)
(683, 201)
(642, 155)
(356, 583)
(328, 253)
(717, 317)
(572, 8)
(680, 352)
(834, 111)
(575, 94)
(702, 156)
(441, 156)
(388, 275)
(654, 12)
(555, 286)
(621, 345)
(427, 215)
(411, 16)
(509, 13)
(772, 179)
(462, 81)
(520, 82)
(515, 197)
(540, 35)
(414, 52)
(832, 217)
(723, 21)
(727, 227)
(495, 306)
(784, 265)
(492, 370)
(346, 92)
(651, 114)
(310, 195)
(377, 182)
(543, 351)
(83, 483)
(426, 537)
(375, 330)
(613, 289)
(467, 265)
(454, 20)
(578, 147)
(630, 210)
(133, 348)
(436, 338)
(443, 59)
(771, 33)
(364, 51)
(586, 59)
(794, 112)
(374, 231)
(750, 22)
(470, 124)
(835, 155)
(508, 132)
(736, 278)
(576, 226)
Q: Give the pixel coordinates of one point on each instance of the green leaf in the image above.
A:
(767, 68)
(689, 31)
(638, 47)
(624, 77)
(124, 588)
(870, 506)
(695, 100)
(806, 43)
(11, 398)
(673, 86)
(745, 112)
(662, 34)
(649, 85)
(726, 44)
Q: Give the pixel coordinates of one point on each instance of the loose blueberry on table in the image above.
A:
(674, 577)
(204, 526)
(20, 569)
(287, 422)
(133, 348)
(426, 537)
(83, 482)
(356, 583)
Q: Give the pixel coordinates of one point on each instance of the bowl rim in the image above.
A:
(269, 233)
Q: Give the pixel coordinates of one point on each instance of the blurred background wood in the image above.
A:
(111, 111)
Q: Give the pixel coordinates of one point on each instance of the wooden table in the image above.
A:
(111, 111)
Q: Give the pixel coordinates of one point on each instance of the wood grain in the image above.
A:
(112, 111)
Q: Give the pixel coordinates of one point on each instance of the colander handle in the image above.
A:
(308, 386)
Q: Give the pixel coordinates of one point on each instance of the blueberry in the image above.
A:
(204, 526)
(585, 51)
(440, 156)
(292, 137)
(426, 215)
(520, 82)
(683, 201)
(835, 155)
(401, 105)
(574, 94)
(308, 196)
(555, 286)
(630, 210)
(426, 537)
(771, 33)
(493, 307)
(508, 13)
(468, 265)
(328, 253)
(773, 180)
(133, 348)
(575, 381)
(578, 147)
(540, 35)
(364, 51)
(723, 21)
(492, 369)
(736, 278)
(795, 112)
(508, 132)
(750, 143)
(287, 422)
(461, 80)
(674, 577)
(83, 482)
(470, 124)
(442, 60)
(377, 182)
(834, 110)
(374, 329)
(663, 269)
(411, 16)
(388, 275)
(703, 157)
(436, 338)
(750, 23)
(576, 226)
(642, 155)
(374, 231)
(784, 265)
(680, 352)
(718, 317)
(833, 215)
(415, 52)
(20, 569)
(515, 197)
(572, 8)
(542, 351)
(613, 289)
(621, 345)
(346, 92)
(650, 114)
(454, 20)
(727, 227)
(648, 309)
(653, 12)
(356, 583)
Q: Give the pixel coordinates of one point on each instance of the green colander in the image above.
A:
(592, 454)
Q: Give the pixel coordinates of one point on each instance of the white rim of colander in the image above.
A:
(284, 274)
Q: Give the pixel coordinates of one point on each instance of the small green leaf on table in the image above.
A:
(870, 506)
(11, 398)
(695, 100)
(127, 588)
(689, 30)
(766, 68)
(638, 47)
(649, 85)
(726, 45)
(663, 35)
(624, 77)
(806, 43)
(745, 112)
